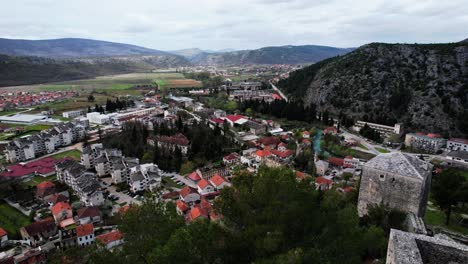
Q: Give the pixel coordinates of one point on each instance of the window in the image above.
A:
(382, 177)
(80, 238)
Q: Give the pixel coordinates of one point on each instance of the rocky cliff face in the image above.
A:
(423, 86)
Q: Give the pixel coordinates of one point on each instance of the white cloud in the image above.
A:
(217, 24)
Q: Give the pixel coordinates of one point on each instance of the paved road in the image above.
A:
(280, 92)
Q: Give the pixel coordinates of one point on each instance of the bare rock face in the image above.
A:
(423, 86)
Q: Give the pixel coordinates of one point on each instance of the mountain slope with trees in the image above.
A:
(71, 47)
(21, 70)
(270, 55)
(423, 86)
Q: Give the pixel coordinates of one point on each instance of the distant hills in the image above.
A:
(21, 70)
(42, 61)
(424, 86)
(267, 55)
(72, 47)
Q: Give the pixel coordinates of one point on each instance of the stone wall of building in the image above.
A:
(399, 192)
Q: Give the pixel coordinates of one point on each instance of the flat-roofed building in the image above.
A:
(382, 129)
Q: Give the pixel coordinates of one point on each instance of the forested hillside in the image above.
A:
(18, 70)
(423, 86)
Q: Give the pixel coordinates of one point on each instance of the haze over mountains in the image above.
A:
(74, 47)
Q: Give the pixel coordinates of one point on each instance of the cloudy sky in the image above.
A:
(239, 24)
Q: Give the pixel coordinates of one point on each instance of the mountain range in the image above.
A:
(71, 48)
(423, 86)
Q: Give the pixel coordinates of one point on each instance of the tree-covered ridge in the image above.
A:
(20, 70)
(424, 86)
(267, 218)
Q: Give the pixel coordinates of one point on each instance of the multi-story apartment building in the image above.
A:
(429, 143)
(458, 144)
(83, 182)
(145, 177)
(45, 142)
(108, 162)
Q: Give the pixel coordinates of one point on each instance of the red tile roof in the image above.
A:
(305, 141)
(276, 97)
(282, 154)
(45, 185)
(58, 207)
(90, 211)
(336, 161)
(231, 156)
(217, 180)
(187, 190)
(300, 175)
(183, 207)
(2, 232)
(306, 133)
(203, 183)
(322, 181)
(42, 166)
(194, 176)
(269, 141)
(330, 130)
(195, 213)
(84, 230)
(432, 135)
(234, 118)
(263, 153)
(110, 237)
(40, 226)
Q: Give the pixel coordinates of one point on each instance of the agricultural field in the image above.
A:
(106, 87)
(12, 220)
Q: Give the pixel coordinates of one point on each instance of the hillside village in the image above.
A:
(77, 200)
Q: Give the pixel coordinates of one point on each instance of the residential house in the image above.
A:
(89, 214)
(350, 162)
(219, 182)
(111, 239)
(322, 183)
(336, 162)
(181, 207)
(306, 134)
(61, 211)
(321, 167)
(171, 142)
(231, 159)
(261, 155)
(204, 187)
(189, 195)
(271, 142)
(44, 189)
(85, 234)
(196, 213)
(38, 232)
(194, 177)
(330, 130)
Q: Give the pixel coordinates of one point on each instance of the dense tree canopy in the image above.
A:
(268, 218)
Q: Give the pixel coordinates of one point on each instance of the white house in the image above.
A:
(85, 235)
(219, 182)
(111, 239)
(189, 195)
(204, 187)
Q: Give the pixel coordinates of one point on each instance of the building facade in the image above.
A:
(399, 181)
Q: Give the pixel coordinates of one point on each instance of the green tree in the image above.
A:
(447, 191)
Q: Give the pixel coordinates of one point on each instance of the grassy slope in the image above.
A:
(12, 220)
